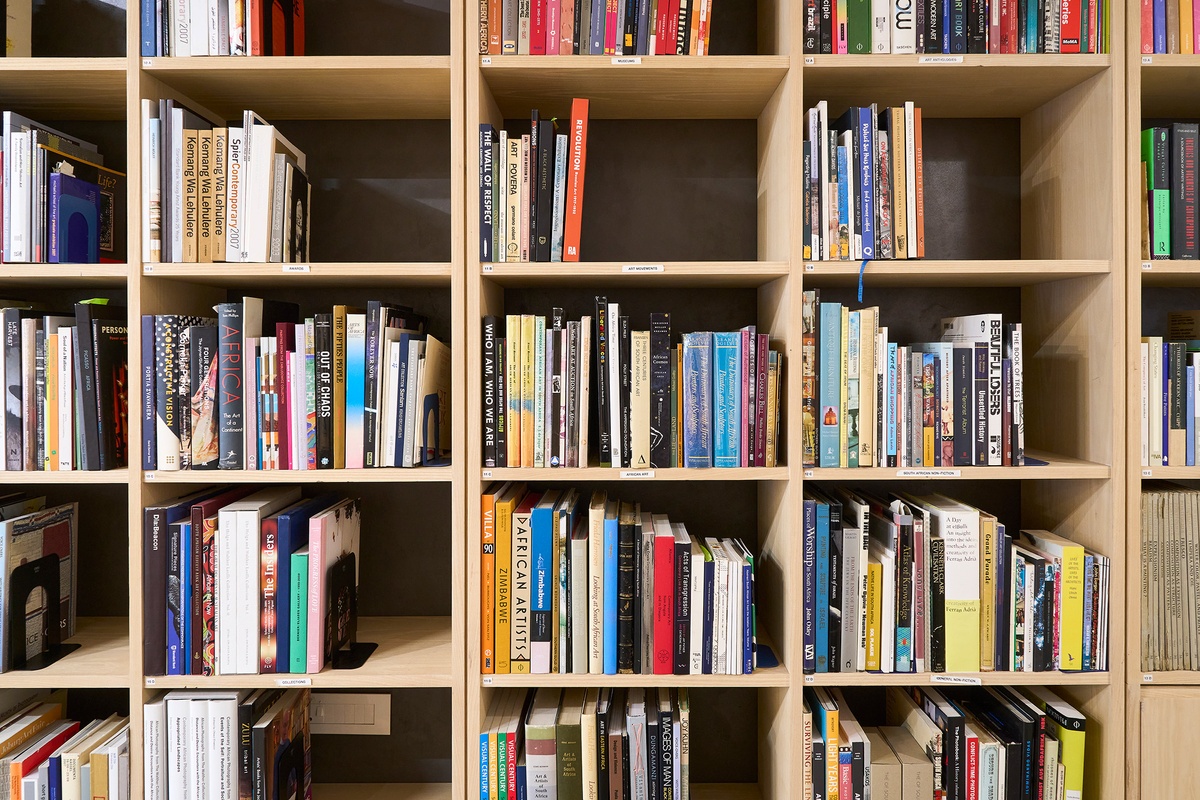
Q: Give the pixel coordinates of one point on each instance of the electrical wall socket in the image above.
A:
(350, 713)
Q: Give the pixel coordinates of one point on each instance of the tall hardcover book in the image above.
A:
(576, 165)
(660, 390)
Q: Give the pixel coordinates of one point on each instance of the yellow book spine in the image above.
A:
(927, 446)
(831, 755)
(874, 612)
(843, 431)
(1070, 644)
(519, 656)
(487, 584)
(503, 584)
(987, 592)
(899, 186)
(512, 379)
(50, 450)
(1186, 41)
(1070, 756)
(528, 357)
(962, 635)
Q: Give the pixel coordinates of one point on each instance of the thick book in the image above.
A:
(542, 569)
(88, 391)
(1184, 241)
(1155, 149)
(664, 596)
(205, 447)
(544, 186)
(697, 399)
(487, 208)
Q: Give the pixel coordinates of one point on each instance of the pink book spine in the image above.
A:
(760, 399)
(553, 20)
(744, 443)
(316, 592)
(610, 28)
(566, 28)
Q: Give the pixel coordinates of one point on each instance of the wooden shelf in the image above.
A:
(64, 88)
(1169, 272)
(414, 652)
(1056, 468)
(1170, 473)
(1022, 272)
(611, 273)
(102, 660)
(666, 87)
(1180, 677)
(973, 86)
(76, 476)
(960, 679)
(99, 275)
(312, 274)
(557, 474)
(312, 87)
(236, 476)
(382, 791)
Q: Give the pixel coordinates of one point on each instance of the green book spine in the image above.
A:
(859, 30)
(1154, 155)
(298, 613)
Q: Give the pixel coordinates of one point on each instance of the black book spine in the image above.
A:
(13, 390)
(977, 26)
(579, 26)
(825, 40)
(600, 343)
(1046, 642)
(555, 343)
(812, 27)
(920, 26)
(964, 407)
(660, 390)
(626, 547)
(202, 403)
(981, 404)
(545, 190)
(89, 438)
(682, 26)
(818, 770)
(624, 335)
(666, 752)
(535, 134)
(39, 381)
(154, 588)
(639, 589)
(375, 311)
(653, 743)
(933, 25)
(149, 385)
(836, 590)
(323, 377)
(958, 26)
(1184, 243)
(230, 389)
(858, 770)
(501, 392)
(602, 753)
(683, 602)
(184, 389)
(937, 605)
(630, 32)
(487, 196)
(489, 390)
(572, 389)
(111, 348)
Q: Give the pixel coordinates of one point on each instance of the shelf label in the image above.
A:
(1147, 59)
(810, 267)
(486, 61)
(150, 681)
(293, 681)
(808, 473)
(149, 476)
(810, 678)
(809, 60)
(1147, 678)
(1147, 266)
(956, 680)
(643, 268)
(940, 60)
(636, 474)
(623, 60)
(487, 473)
(295, 268)
(147, 269)
(486, 268)
(1147, 473)
(487, 680)
(928, 473)
(147, 63)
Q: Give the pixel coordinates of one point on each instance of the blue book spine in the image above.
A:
(149, 386)
(643, 37)
(829, 382)
(596, 39)
(706, 651)
(291, 533)
(946, 25)
(54, 787)
(747, 619)
(866, 166)
(1089, 563)
(697, 399)
(522, 789)
(176, 581)
(52, 219)
(541, 554)
(845, 214)
(1166, 400)
(1189, 419)
(890, 390)
(149, 30)
(727, 398)
(1003, 618)
(809, 619)
(484, 767)
(1160, 26)
(1031, 30)
(609, 628)
(822, 599)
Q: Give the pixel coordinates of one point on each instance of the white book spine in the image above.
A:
(198, 743)
(1018, 395)
(253, 397)
(585, 373)
(720, 610)
(222, 27)
(198, 26)
(147, 169)
(234, 197)
(824, 178)
(881, 26)
(29, 787)
(1144, 348)
(696, 612)
(154, 765)
(851, 537)
(214, 26)
(246, 589)
(181, 28)
(560, 197)
(500, 193)
(614, 385)
(391, 378)
(225, 590)
(904, 26)
(66, 398)
(258, 194)
(21, 199)
(415, 349)
(177, 753)
(910, 175)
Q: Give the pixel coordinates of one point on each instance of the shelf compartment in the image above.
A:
(102, 660)
(595, 473)
(313, 87)
(414, 652)
(64, 88)
(266, 476)
(347, 273)
(76, 476)
(674, 87)
(1168, 86)
(671, 273)
(973, 86)
(1018, 272)
(382, 791)
(960, 679)
(1056, 468)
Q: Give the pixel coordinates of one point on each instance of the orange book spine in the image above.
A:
(694, 30)
(919, 161)
(255, 19)
(487, 588)
(566, 28)
(494, 10)
(575, 171)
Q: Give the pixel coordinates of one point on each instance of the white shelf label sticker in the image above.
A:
(149, 476)
(643, 268)
(1147, 59)
(940, 60)
(1147, 473)
(293, 681)
(487, 473)
(147, 63)
(810, 678)
(808, 473)
(810, 267)
(623, 60)
(486, 61)
(295, 268)
(928, 473)
(487, 680)
(486, 268)
(1147, 266)
(150, 681)
(956, 680)
(1147, 678)
(809, 60)
(147, 269)
(636, 474)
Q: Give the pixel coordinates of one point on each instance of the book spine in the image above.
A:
(697, 400)
(660, 390)
(487, 134)
(575, 174)
(230, 389)
(627, 546)
(664, 604)
(829, 381)
(937, 605)
(202, 402)
(809, 603)
(323, 387)
(726, 367)
(682, 588)
(167, 390)
(149, 382)
(1070, 28)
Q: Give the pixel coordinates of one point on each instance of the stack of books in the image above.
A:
(1170, 26)
(1170, 369)
(864, 184)
(594, 585)
(66, 379)
(711, 400)
(221, 28)
(251, 743)
(1170, 594)
(868, 402)
(531, 190)
(1169, 202)
(351, 388)
(214, 192)
(60, 203)
(586, 743)
(237, 581)
(925, 584)
(595, 27)
(958, 743)
(959, 27)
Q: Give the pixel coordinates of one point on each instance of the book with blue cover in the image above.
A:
(541, 632)
(822, 596)
(609, 591)
(291, 534)
(809, 584)
(697, 399)
(829, 383)
(726, 398)
(74, 219)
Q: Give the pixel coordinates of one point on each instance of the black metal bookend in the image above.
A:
(431, 408)
(43, 574)
(342, 648)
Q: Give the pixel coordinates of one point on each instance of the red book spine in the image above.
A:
(1147, 26)
(610, 27)
(576, 165)
(763, 346)
(566, 28)
(552, 26)
(973, 768)
(845, 778)
(1004, 28)
(744, 412)
(254, 25)
(664, 605)
(268, 608)
(1069, 26)
(285, 341)
(537, 28)
(664, 28)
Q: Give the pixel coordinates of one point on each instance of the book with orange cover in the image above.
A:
(920, 181)
(576, 165)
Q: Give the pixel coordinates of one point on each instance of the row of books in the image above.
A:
(221, 192)
(586, 743)
(1170, 26)
(956, 26)
(595, 27)
(923, 583)
(251, 744)
(864, 184)
(595, 585)
(221, 28)
(531, 189)
(344, 389)
(61, 204)
(868, 402)
(1170, 370)
(1169, 201)
(957, 743)
(712, 400)
(45, 754)
(66, 387)
(237, 581)
(1170, 541)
